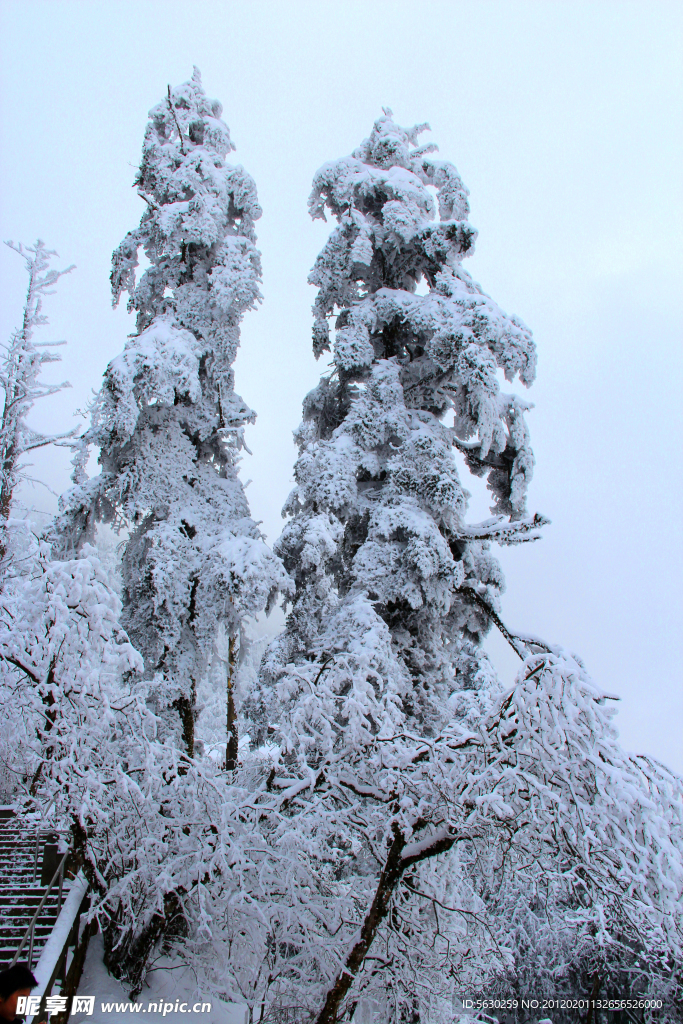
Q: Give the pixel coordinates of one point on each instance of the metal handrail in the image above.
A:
(30, 931)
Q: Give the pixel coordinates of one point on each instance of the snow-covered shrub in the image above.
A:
(61, 647)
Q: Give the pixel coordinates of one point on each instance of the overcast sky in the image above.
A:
(565, 121)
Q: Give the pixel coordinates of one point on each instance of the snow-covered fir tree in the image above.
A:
(415, 787)
(379, 508)
(167, 420)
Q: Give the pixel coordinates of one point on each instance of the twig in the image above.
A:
(519, 646)
(180, 134)
(152, 203)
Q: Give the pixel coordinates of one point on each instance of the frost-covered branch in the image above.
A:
(20, 370)
(519, 643)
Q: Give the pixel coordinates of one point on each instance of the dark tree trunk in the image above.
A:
(388, 880)
(233, 734)
(396, 863)
(186, 710)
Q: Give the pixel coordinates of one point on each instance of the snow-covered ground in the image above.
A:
(167, 985)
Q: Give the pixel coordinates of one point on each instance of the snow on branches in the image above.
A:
(379, 511)
(405, 830)
(60, 643)
(448, 344)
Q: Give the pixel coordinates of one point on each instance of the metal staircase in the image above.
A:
(40, 912)
(26, 855)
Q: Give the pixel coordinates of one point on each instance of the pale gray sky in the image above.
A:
(565, 121)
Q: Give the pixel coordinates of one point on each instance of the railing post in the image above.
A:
(30, 945)
(61, 884)
(35, 859)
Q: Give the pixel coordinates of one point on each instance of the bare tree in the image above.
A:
(20, 373)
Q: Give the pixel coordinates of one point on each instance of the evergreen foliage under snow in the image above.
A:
(167, 419)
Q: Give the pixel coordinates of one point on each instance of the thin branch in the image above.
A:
(23, 668)
(172, 109)
(152, 203)
(518, 644)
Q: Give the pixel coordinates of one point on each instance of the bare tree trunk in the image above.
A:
(186, 710)
(593, 997)
(233, 734)
(388, 880)
(129, 960)
(398, 860)
(6, 487)
(44, 731)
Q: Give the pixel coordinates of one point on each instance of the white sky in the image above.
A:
(564, 119)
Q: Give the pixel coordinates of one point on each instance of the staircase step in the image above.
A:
(22, 855)
(27, 914)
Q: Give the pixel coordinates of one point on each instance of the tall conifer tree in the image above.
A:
(20, 378)
(167, 419)
(378, 517)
